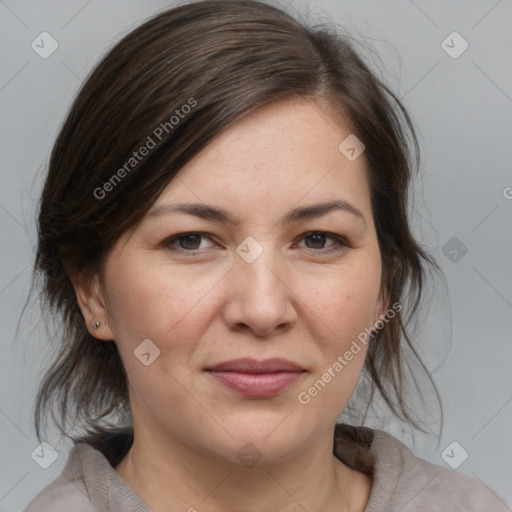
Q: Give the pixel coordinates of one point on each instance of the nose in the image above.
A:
(258, 297)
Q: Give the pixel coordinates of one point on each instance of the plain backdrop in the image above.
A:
(461, 101)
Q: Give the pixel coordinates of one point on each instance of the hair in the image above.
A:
(224, 59)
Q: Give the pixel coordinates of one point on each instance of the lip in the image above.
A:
(248, 365)
(254, 378)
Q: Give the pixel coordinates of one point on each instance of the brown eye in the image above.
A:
(318, 239)
(190, 241)
(185, 242)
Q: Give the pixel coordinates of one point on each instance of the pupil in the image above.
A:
(319, 238)
(190, 238)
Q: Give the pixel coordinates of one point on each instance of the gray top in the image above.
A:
(402, 482)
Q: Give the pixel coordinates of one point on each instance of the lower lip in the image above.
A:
(257, 384)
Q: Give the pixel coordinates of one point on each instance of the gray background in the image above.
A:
(463, 109)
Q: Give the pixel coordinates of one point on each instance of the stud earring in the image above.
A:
(95, 326)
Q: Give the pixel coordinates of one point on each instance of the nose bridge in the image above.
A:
(259, 271)
(256, 270)
(257, 294)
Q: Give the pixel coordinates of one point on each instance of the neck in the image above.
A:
(168, 473)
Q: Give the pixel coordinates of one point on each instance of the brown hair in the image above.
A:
(230, 57)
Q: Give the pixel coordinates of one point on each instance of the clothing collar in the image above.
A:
(93, 458)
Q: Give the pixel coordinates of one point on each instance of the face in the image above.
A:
(258, 284)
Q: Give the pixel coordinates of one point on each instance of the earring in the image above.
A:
(95, 326)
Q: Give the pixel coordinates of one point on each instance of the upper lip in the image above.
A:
(247, 365)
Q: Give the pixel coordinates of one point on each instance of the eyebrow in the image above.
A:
(213, 213)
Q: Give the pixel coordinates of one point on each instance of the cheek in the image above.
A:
(339, 343)
(171, 309)
(342, 307)
(149, 301)
(345, 302)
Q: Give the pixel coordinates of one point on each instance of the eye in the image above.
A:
(191, 242)
(188, 242)
(318, 239)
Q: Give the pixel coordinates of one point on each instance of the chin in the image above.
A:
(268, 441)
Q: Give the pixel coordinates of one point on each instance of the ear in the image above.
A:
(91, 300)
(381, 306)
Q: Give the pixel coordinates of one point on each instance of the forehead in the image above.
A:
(284, 153)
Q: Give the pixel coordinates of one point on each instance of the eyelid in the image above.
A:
(167, 242)
(341, 242)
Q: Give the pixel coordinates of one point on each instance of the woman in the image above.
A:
(224, 230)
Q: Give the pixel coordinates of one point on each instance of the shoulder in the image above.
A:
(88, 483)
(60, 496)
(68, 491)
(419, 485)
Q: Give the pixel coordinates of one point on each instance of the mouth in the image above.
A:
(253, 378)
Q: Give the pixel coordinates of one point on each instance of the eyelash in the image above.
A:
(341, 243)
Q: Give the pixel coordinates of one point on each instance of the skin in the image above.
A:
(296, 301)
